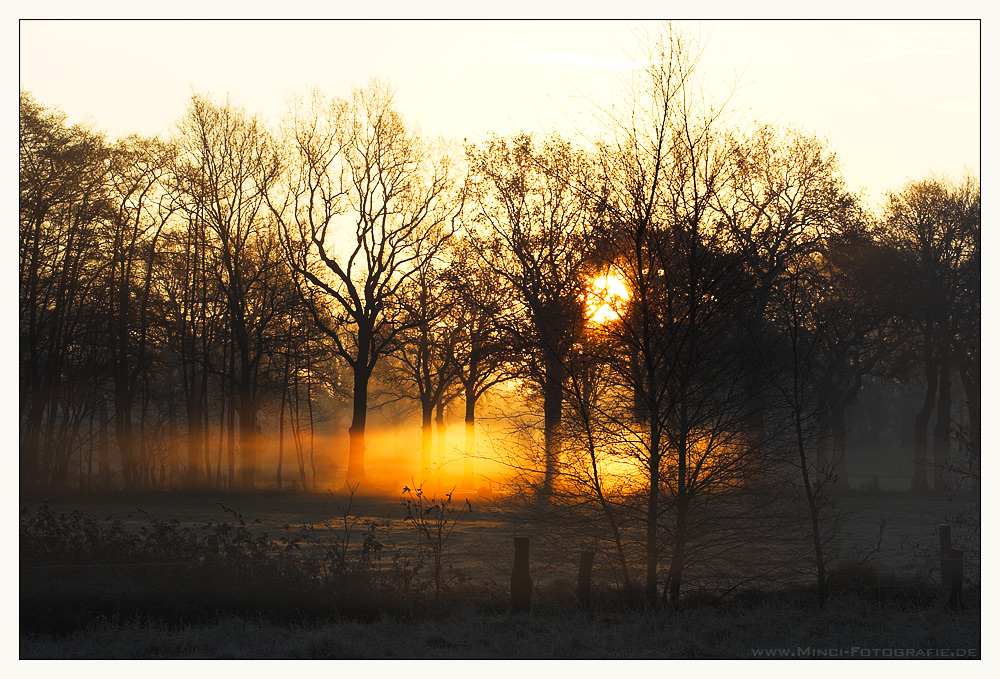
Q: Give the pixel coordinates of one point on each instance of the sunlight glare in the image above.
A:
(606, 302)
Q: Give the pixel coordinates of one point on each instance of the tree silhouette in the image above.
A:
(356, 162)
(936, 228)
(143, 205)
(533, 230)
(63, 174)
(231, 167)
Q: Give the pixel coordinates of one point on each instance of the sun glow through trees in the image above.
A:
(607, 298)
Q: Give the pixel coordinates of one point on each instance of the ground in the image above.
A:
(855, 623)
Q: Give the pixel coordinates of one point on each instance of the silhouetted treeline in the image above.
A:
(178, 296)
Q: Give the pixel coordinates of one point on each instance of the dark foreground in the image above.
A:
(195, 578)
(848, 627)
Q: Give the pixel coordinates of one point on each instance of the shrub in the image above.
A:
(434, 521)
(76, 569)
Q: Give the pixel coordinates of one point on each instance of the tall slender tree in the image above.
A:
(356, 163)
(63, 175)
(423, 352)
(485, 352)
(143, 207)
(231, 167)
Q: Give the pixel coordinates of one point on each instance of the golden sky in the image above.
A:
(895, 99)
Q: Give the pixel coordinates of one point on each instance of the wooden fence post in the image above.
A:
(583, 582)
(944, 533)
(520, 580)
(956, 573)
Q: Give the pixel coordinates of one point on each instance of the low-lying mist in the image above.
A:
(392, 461)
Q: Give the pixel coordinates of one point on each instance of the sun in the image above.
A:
(606, 299)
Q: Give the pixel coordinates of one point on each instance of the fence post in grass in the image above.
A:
(956, 572)
(583, 582)
(944, 531)
(520, 580)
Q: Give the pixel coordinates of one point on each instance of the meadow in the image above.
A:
(297, 575)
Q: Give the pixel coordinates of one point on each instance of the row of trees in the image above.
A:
(182, 295)
(215, 276)
(151, 287)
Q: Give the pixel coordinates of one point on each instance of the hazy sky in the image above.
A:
(896, 99)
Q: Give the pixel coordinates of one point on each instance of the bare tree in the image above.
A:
(935, 225)
(422, 354)
(356, 163)
(533, 229)
(663, 171)
(485, 353)
(192, 325)
(681, 406)
(829, 320)
(230, 169)
(143, 206)
(63, 204)
(782, 195)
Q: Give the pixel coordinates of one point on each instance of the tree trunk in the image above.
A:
(87, 477)
(650, 386)
(193, 477)
(640, 408)
(230, 450)
(679, 557)
(652, 514)
(824, 465)
(811, 501)
(552, 388)
(123, 432)
(838, 439)
(682, 498)
(103, 455)
(356, 456)
(295, 420)
(206, 431)
(312, 417)
(31, 444)
(144, 457)
(920, 429)
(924, 416)
(223, 412)
(231, 431)
(971, 387)
(942, 427)
(426, 438)
(172, 437)
(281, 427)
(442, 442)
(468, 481)
(248, 431)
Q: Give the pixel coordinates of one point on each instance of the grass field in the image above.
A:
(846, 628)
(481, 538)
(181, 599)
